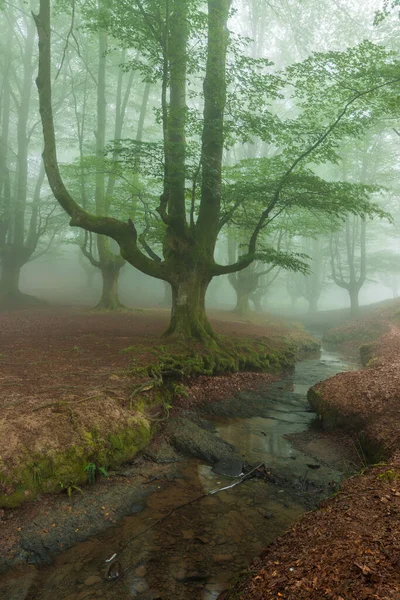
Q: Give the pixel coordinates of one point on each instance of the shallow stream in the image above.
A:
(195, 552)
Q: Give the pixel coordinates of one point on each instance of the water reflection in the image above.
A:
(196, 551)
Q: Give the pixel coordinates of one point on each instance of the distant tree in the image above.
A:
(26, 214)
(349, 258)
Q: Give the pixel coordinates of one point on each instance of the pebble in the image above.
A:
(221, 558)
(141, 586)
(92, 579)
(141, 571)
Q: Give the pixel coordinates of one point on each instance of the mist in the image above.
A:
(199, 299)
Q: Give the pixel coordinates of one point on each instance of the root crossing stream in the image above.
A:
(196, 552)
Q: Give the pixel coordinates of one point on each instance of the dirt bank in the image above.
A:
(83, 392)
(349, 549)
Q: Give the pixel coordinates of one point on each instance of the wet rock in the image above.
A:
(229, 467)
(163, 453)
(222, 558)
(137, 508)
(92, 580)
(140, 586)
(191, 575)
(189, 438)
(141, 571)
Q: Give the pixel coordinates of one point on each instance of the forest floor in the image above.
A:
(350, 548)
(67, 380)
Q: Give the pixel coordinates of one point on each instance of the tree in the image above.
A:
(349, 259)
(190, 234)
(25, 217)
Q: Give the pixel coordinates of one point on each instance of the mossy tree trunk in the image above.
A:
(109, 294)
(188, 315)
(188, 247)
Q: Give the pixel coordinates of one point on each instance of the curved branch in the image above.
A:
(120, 231)
(243, 262)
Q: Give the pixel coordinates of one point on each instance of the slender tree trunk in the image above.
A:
(312, 304)
(354, 303)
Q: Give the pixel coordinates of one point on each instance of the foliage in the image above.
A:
(92, 470)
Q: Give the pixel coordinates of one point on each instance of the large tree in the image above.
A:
(191, 228)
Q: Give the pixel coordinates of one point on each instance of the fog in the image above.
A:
(308, 200)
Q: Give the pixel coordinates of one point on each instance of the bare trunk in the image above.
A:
(10, 294)
(167, 299)
(242, 307)
(312, 304)
(9, 280)
(354, 303)
(109, 295)
(188, 316)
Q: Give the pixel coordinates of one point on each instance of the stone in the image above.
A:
(191, 576)
(222, 558)
(92, 580)
(141, 586)
(141, 571)
(229, 467)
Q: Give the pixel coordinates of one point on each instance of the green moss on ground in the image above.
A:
(65, 470)
(169, 366)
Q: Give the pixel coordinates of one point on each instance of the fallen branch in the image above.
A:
(113, 559)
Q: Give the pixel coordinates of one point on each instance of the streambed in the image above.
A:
(196, 551)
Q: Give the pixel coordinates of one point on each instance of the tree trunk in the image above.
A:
(188, 315)
(10, 294)
(166, 302)
(256, 299)
(354, 305)
(109, 296)
(312, 304)
(242, 307)
(9, 281)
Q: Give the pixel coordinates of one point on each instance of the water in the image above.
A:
(196, 551)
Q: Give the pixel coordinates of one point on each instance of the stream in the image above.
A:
(196, 551)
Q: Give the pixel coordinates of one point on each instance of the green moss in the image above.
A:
(61, 470)
(389, 475)
(65, 469)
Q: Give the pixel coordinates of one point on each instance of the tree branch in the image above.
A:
(120, 231)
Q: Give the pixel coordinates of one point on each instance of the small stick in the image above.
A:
(170, 512)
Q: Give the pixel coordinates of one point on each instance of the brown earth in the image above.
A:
(66, 382)
(67, 355)
(368, 400)
(350, 548)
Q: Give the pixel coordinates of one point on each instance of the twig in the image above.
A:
(170, 512)
(64, 403)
